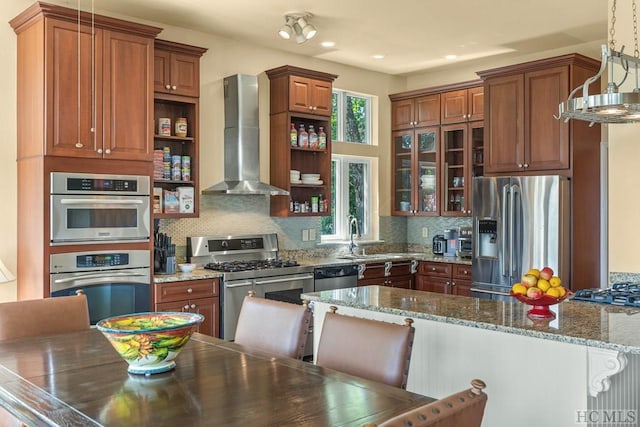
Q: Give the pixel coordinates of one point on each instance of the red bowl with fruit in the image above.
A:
(540, 305)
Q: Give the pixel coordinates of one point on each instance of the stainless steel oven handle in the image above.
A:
(100, 202)
(237, 285)
(98, 276)
(284, 279)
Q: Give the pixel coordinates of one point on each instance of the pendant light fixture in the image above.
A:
(298, 24)
(611, 106)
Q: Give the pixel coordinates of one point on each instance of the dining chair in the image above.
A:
(367, 348)
(464, 408)
(47, 316)
(30, 318)
(274, 327)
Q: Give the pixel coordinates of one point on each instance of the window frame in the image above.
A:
(342, 198)
(341, 116)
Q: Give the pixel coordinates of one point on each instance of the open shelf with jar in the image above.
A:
(300, 162)
(176, 154)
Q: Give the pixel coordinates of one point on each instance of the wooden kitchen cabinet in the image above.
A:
(194, 296)
(462, 105)
(176, 68)
(396, 275)
(444, 278)
(97, 102)
(287, 89)
(415, 112)
(181, 102)
(521, 101)
(433, 166)
(415, 153)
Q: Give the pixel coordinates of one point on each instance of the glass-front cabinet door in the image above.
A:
(415, 172)
(427, 172)
(454, 162)
(403, 143)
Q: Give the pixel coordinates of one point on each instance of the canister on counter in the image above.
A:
(164, 126)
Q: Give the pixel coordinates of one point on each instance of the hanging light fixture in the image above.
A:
(611, 106)
(298, 23)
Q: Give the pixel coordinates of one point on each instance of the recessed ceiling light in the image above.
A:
(327, 44)
(451, 57)
(378, 56)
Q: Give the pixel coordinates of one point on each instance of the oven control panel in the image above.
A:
(102, 260)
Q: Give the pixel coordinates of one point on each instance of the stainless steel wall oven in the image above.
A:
(116, 282)
(99, 208)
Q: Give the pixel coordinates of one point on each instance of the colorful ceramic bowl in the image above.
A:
(149, 342)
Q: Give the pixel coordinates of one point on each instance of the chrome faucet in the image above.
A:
(353, 221)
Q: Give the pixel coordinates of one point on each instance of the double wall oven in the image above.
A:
(249, 262)
(108, 216)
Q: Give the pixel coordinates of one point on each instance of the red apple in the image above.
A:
(546, 273)
(529, 280)
(534, 293)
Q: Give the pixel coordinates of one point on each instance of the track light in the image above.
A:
(298, 23)
(287, 29)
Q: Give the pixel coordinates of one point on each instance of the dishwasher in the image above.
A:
(335, 277)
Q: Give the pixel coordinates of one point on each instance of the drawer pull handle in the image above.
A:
(189, 290)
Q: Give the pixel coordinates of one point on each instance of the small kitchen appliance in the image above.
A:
(439, 244)
(464, 247)
(451, 238)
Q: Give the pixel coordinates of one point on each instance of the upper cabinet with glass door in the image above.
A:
(415, 172)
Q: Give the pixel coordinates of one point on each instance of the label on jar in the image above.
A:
(164, 126)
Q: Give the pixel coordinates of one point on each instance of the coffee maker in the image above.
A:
(451, 237)
(439, 244)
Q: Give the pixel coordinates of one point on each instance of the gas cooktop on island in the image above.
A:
(625, 293)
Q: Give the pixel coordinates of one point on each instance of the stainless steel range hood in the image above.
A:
(242, 140)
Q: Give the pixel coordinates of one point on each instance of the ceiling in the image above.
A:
(413, 35)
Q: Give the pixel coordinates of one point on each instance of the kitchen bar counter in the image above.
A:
(577, 322)
(552, 372)
(77, 379)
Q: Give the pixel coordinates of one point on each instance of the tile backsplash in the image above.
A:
(223, 214)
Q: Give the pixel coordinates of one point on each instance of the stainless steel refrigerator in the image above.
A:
(519, 222)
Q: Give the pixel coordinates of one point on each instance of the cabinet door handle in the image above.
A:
(167, 87)
(186, 307)
(526, 165)
(107, 151)
(433, 269)
(79, 144)
(189, 290)
(193, 306)
(99, 150)
(519, 165)
(310, 107)
(174, 87)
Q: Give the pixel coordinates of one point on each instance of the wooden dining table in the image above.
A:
(77, 379)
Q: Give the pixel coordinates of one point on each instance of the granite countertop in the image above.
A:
(577, 322)
(198, 273)
(201, 273)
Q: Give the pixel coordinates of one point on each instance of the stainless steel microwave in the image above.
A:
(98, 208)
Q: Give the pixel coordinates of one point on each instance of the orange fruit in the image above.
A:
(534, 272)
(553, 292)
(519, 288)
(555, 281)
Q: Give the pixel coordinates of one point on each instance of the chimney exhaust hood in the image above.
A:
(242, 140)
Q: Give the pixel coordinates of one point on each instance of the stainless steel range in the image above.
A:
(249, 262)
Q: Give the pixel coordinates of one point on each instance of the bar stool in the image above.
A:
(274, 327)
(370, 349)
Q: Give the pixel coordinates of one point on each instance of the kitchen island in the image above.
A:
(577, 368)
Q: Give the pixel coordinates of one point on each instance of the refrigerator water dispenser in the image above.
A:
(487, 238)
